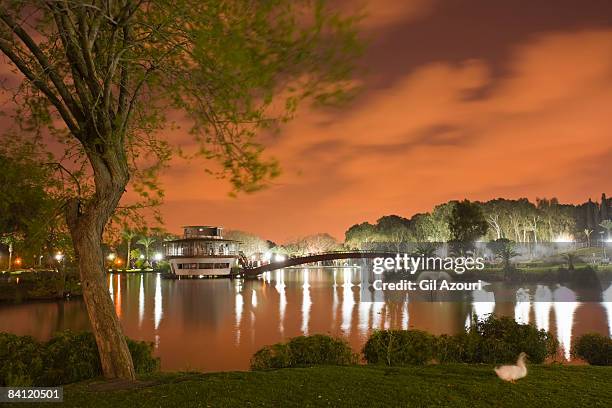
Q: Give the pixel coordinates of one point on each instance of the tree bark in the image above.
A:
(86, 223)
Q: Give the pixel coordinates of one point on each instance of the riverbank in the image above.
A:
(34, 285)
(356, 386)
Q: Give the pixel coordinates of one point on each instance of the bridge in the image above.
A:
(306, 259)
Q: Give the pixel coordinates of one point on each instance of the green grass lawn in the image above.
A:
(358, 386)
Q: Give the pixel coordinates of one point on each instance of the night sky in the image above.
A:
(461, 99)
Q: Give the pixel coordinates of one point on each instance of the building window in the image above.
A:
(221, 265)
(206, 266)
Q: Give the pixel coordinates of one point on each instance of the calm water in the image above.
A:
(214, 325)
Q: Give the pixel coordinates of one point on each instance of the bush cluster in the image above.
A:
(594, 348)
(317, 349)
(494, 340)
(399, 347)
(68, 357)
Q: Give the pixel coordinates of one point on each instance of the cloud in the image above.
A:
(407, 148)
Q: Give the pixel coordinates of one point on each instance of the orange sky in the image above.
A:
(462, 99)
(470, 100)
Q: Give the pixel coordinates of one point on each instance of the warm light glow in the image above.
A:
(18, 261)
(564, 237)
(158, 256)
(279, 257)
(111, 256)
(59, 256)
(118, 261)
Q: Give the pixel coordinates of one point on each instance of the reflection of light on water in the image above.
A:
(282, 300)
(542, 305)
(118, 297)
(347, 301)
(110, 286)
(157, 311)
(607, 304)
(141, 301)
(405, 315)
(378, 306)
(335, 301)
(365, 306)
(483, 305)
(254, 299)
(238, 312)
(565, 306)
(306, 303)
(377, 314)
(522, 307)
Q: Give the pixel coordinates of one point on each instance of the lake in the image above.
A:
(217, 324)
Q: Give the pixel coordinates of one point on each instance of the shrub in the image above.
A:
(274, 356)
(70, 357)
(317, 349)
(320, 349)
(503, 339)
(494, 340)
(67, 357)
(399, 347)
(20, 360)
(142, 356)
(594, 348)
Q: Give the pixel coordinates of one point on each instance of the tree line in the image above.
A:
(520, 220)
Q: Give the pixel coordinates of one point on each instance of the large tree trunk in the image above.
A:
(86, 223)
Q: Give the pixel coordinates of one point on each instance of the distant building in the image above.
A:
(202, 252)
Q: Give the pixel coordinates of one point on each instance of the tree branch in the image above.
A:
(6, 48)
(44, 63)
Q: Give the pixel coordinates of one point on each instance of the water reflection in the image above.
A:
(483, 305)
(607, 304)
(282, 299)
(542, 307)
(218, 324)
(306, 302)
(118, 302)
(239, 308)
(141, 301)
(348, 302)
(158, 311)
(523, 306)
(565, 306)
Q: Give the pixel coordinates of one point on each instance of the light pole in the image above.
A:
(59, 257)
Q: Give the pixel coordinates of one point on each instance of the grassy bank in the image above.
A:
(354, 386)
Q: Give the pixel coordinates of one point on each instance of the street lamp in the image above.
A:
(59, 257)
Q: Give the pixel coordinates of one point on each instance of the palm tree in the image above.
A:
(607, 225)
(571, 260)
(504, 249)
(146, 242)
(9, 240)
(588, 233)
(128, 235)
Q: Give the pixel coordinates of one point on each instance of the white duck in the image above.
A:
(513, 372)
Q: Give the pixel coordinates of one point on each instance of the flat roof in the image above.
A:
(211, 239)
(201, 226)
